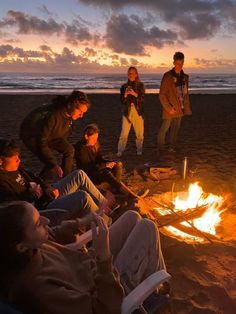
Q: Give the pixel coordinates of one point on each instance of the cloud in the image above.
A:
(27, 24)
(10, 51)
(75, 33)
(124, 62)
(90, 52)
(216, 63)
(195, 27)
(195, 19)
(45, 10)
(128, 35)
(45, 59)
(134, 62)
(45, 48)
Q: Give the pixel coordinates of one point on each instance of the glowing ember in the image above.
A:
(195, 197)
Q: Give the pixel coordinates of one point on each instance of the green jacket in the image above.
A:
(43, 125)
(168, 97)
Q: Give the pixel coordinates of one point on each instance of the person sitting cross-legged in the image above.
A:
(40, 276)
(75, 193)
(89, 158)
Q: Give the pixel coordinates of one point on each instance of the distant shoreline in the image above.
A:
(213, 91)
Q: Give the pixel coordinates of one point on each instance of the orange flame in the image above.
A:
(192, 199)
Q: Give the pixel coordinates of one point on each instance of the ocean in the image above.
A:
(37, 83)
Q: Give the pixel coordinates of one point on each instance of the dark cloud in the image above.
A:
(90, 52)
(195, 27)
(10, 51)
(27, 24)
(64, 61)
(195, 19)
(134, 62)
(124, 62)
(45, 48)
(75, 33)
(128, 35)
(45, 10)
(215, 63)
(45, 59)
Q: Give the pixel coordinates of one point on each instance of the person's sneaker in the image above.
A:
(119, 154)
(139, 153)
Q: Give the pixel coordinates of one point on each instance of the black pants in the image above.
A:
(111, 176)
(60, 145)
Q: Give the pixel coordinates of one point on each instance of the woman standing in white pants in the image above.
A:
(132, 97)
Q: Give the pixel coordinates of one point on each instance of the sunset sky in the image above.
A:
(109, 35)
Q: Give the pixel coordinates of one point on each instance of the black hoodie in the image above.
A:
(15, 186)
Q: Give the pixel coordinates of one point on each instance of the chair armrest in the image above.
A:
(136, 297)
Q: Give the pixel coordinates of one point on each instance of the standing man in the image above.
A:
(174, 98)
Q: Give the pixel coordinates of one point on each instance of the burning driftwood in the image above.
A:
(166, 215)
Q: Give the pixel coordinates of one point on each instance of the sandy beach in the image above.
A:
(203, 275)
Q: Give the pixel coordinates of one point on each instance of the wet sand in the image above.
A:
(203, 275)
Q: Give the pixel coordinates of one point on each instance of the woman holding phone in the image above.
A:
(132, 97)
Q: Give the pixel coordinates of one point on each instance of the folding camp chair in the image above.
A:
(134, 299)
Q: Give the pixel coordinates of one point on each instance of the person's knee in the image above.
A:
(132, 217)
(86, 200)
(80, 175)
(149, 225)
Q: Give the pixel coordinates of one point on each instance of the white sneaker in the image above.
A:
(119, 154)
(139, 153)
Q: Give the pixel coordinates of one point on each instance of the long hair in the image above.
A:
(137, 79)
(71, 102)
(12, 232)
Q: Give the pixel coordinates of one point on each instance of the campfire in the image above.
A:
(191, 215)
(202, 212)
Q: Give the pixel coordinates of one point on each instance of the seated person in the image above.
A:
(88, 158)
(75, 193)
(40, 276)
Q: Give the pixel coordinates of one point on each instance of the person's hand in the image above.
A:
(86, 220)
(57, 169)
(36, 190)
(55, 193)
(100, 237)
(132, 92)
(51, 192)
(110, 164)
(172, 111)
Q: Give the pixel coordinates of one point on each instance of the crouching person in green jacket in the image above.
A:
(46, 128)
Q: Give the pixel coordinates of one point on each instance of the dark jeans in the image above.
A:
(111, 176)
(173, 124)
(61, 146)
